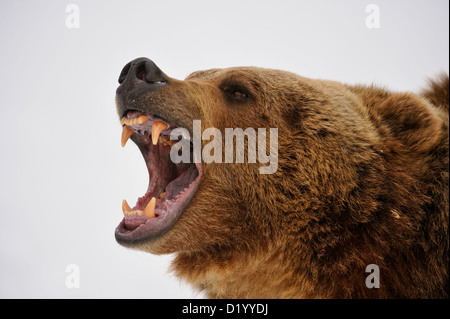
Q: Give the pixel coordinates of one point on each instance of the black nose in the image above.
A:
(142, 69)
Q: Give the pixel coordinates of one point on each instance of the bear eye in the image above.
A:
(236, 92)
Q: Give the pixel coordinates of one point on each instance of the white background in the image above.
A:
(63, 174)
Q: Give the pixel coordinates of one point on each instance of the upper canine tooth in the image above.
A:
(157, 128)
(126, 133)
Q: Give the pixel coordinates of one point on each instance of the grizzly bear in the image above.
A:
(355, 207)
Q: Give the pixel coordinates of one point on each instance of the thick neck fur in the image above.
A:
(395, 216)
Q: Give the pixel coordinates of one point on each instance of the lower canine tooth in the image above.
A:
(150, 209)
(125, 207)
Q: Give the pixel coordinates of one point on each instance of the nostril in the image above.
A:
(148, 72)
(142, 69)
(124, 73)
(142, 74)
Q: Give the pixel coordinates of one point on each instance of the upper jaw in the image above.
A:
(155, 103)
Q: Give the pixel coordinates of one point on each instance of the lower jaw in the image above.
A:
(150, 229)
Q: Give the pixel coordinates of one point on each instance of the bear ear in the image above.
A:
(438, 92)
(412, 120)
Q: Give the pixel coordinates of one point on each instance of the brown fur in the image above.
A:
(362, 179)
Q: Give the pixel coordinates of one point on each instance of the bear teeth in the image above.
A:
(133, 121)
(126, 134)
(156, 128)
(149, 210)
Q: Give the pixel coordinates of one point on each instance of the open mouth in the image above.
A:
(171, 185)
